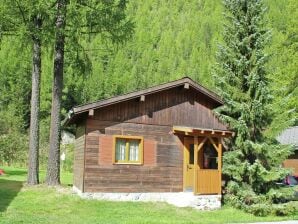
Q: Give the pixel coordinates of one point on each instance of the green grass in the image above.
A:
(42, 204)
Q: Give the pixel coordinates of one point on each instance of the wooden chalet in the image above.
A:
(161, 139)
(289, 136)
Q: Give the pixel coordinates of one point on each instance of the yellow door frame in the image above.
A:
(197, 147)
(186, 142)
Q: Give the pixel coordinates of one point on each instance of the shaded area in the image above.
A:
(8, 191)
(15, 172)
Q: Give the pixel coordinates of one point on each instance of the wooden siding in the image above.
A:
(149, 155)
(79, 157)
(153, 119)
(105, 154)
(162, 168)
(292, 163)
(208, 181)
(171, 107)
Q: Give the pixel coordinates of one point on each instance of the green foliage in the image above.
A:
(67, 164)
(286, 209)
(14, 108)
(17, 19)
(253, 161)
(12, 149)
(171, 39)
(275, 202)
(280, 194)
(259, 209)
(284, 82)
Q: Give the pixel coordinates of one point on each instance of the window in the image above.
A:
(210, 156)
(128, 150)
(191, 154)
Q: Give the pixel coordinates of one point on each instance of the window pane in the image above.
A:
(134, 150)
(120, 149)
(191, 154)
(209, 156)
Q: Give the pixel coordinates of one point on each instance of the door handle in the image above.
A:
(189, 167)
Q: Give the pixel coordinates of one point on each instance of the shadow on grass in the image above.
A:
(8, 191)
(16, 172)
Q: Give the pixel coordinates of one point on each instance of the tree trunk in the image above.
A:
(53, 170)
(33, 160)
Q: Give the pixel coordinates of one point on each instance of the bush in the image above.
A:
(260, 209)
(286, 209)
(243, 197)
(14, 148)
(280, 195)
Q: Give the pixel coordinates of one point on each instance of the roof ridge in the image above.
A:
(79, 109)
(134, 91)
(186, 78)
(148, 91)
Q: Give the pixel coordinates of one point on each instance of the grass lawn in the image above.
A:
(42, 204)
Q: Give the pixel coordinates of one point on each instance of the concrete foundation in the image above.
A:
(179, 199)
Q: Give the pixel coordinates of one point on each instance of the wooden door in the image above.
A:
(188, 165)
(209, 167)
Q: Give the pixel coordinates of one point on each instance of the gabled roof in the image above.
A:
(289, 136)
(133, 95)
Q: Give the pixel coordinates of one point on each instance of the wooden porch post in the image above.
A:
(196, 149)
(219, 163)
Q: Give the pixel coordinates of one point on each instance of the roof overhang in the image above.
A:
(186, 82)
(196, 131)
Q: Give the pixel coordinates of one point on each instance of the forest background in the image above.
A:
(171, 39)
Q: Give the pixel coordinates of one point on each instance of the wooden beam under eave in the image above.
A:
(186, 86)
(182, 129)
(91, 112)
(142, 98)
(214, 144)
(202, 143)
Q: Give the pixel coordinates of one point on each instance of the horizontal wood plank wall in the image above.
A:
(162, 168)
(171, 107)
(78, 172)
(163, 152)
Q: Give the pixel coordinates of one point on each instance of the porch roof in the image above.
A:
(201, 131)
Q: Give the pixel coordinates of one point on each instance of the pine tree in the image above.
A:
(73, 19)
(53, 169)
(24, 19)
(33, 160)
(253, 161)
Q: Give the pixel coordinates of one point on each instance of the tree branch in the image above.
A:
(22, 12)
(53, 4)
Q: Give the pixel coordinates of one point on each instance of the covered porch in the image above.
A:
(202, 159)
